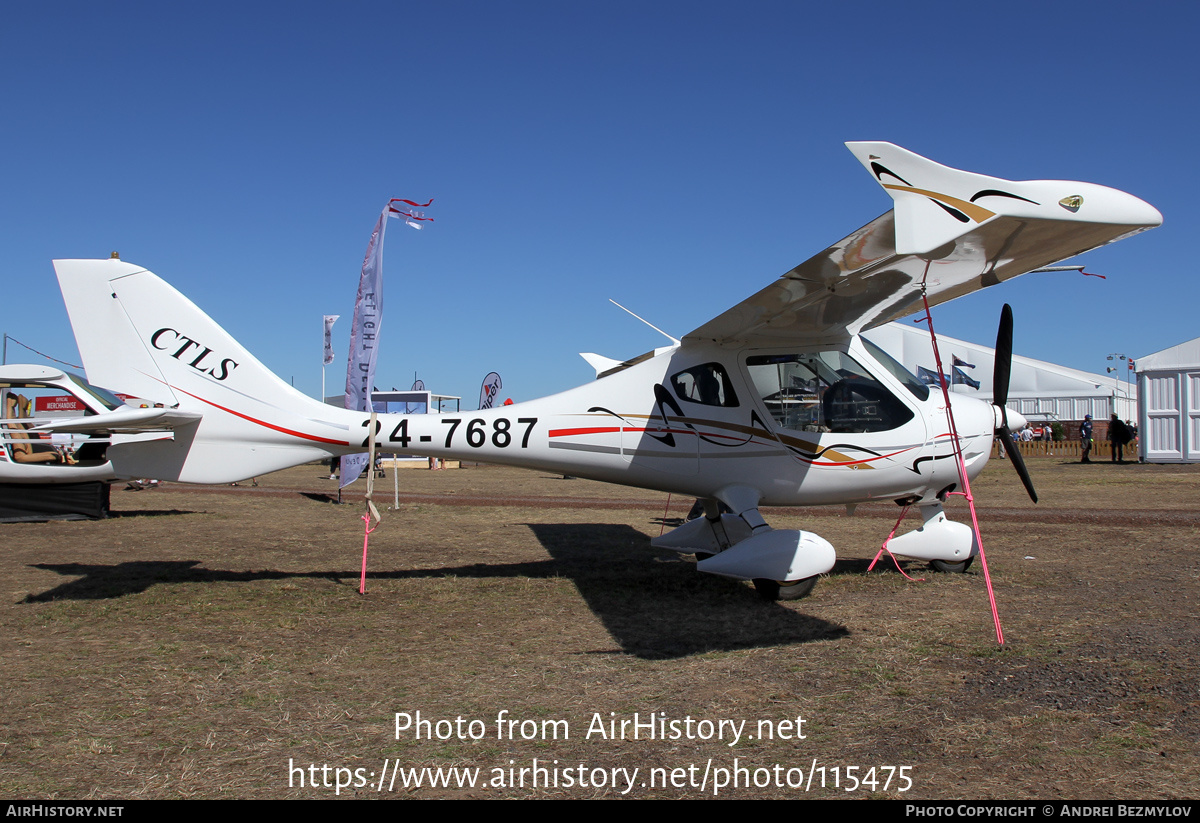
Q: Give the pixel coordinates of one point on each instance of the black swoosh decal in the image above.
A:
(955, 213)
(998, 193)
(881, 170)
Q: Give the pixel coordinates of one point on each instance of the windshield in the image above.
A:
(896, 370)
(824, 391)
(102, 396)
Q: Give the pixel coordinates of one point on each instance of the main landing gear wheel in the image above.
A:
(951, 568)
(773, 590)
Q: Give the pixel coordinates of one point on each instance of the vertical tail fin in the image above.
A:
(140, 336)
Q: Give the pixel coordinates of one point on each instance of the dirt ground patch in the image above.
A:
(210, 642)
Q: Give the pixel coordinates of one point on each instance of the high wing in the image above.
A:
(953, 231)
(122, 421)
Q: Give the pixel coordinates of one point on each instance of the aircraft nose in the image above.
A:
(1016, 421)
(973, 416)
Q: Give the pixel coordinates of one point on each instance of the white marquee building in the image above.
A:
(1039, 390)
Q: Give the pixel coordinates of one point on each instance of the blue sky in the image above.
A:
(675, 157)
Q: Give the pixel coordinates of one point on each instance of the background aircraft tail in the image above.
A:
(139, 336)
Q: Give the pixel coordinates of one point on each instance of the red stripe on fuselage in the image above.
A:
(265, 424)
(595, 430)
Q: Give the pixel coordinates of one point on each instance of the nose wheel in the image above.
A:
(951, 568)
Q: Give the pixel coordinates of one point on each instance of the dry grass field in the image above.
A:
(210, 642)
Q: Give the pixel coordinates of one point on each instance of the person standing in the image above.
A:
(1118, 435)
(1085, 437)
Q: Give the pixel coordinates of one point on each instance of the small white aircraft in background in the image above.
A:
(56, 428)
(777, 402)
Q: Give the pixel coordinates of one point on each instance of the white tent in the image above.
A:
(1169, 416)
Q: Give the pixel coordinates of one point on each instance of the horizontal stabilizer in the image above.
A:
(599, 362)
(123, 421)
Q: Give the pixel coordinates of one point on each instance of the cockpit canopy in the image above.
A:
(825, 391)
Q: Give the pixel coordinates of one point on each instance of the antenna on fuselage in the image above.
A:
(673, 340)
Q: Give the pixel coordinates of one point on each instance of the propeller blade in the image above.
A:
(1000, 379)
(1003, 366)
(1018, 462)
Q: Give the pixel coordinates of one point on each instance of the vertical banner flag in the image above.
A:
(408, 211)
(330, 319)
(368, 313)
(488, 391)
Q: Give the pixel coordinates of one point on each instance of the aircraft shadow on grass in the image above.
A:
(149, 513)
(656, 605)
(653, 604)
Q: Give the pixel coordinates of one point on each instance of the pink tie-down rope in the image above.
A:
(884, 548)
(962, 466)
(371, 511)
(366, 518)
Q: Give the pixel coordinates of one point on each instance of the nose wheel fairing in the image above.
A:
(938, 538)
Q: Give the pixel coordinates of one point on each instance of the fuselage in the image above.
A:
(784, 424)
(835, 425)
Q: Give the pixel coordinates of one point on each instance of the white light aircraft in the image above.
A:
(67, 441)
(777, 402)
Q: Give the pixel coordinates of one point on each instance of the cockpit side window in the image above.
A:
(707, 384)
(827, 391)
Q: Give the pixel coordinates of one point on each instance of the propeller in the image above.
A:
(1000, 378)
